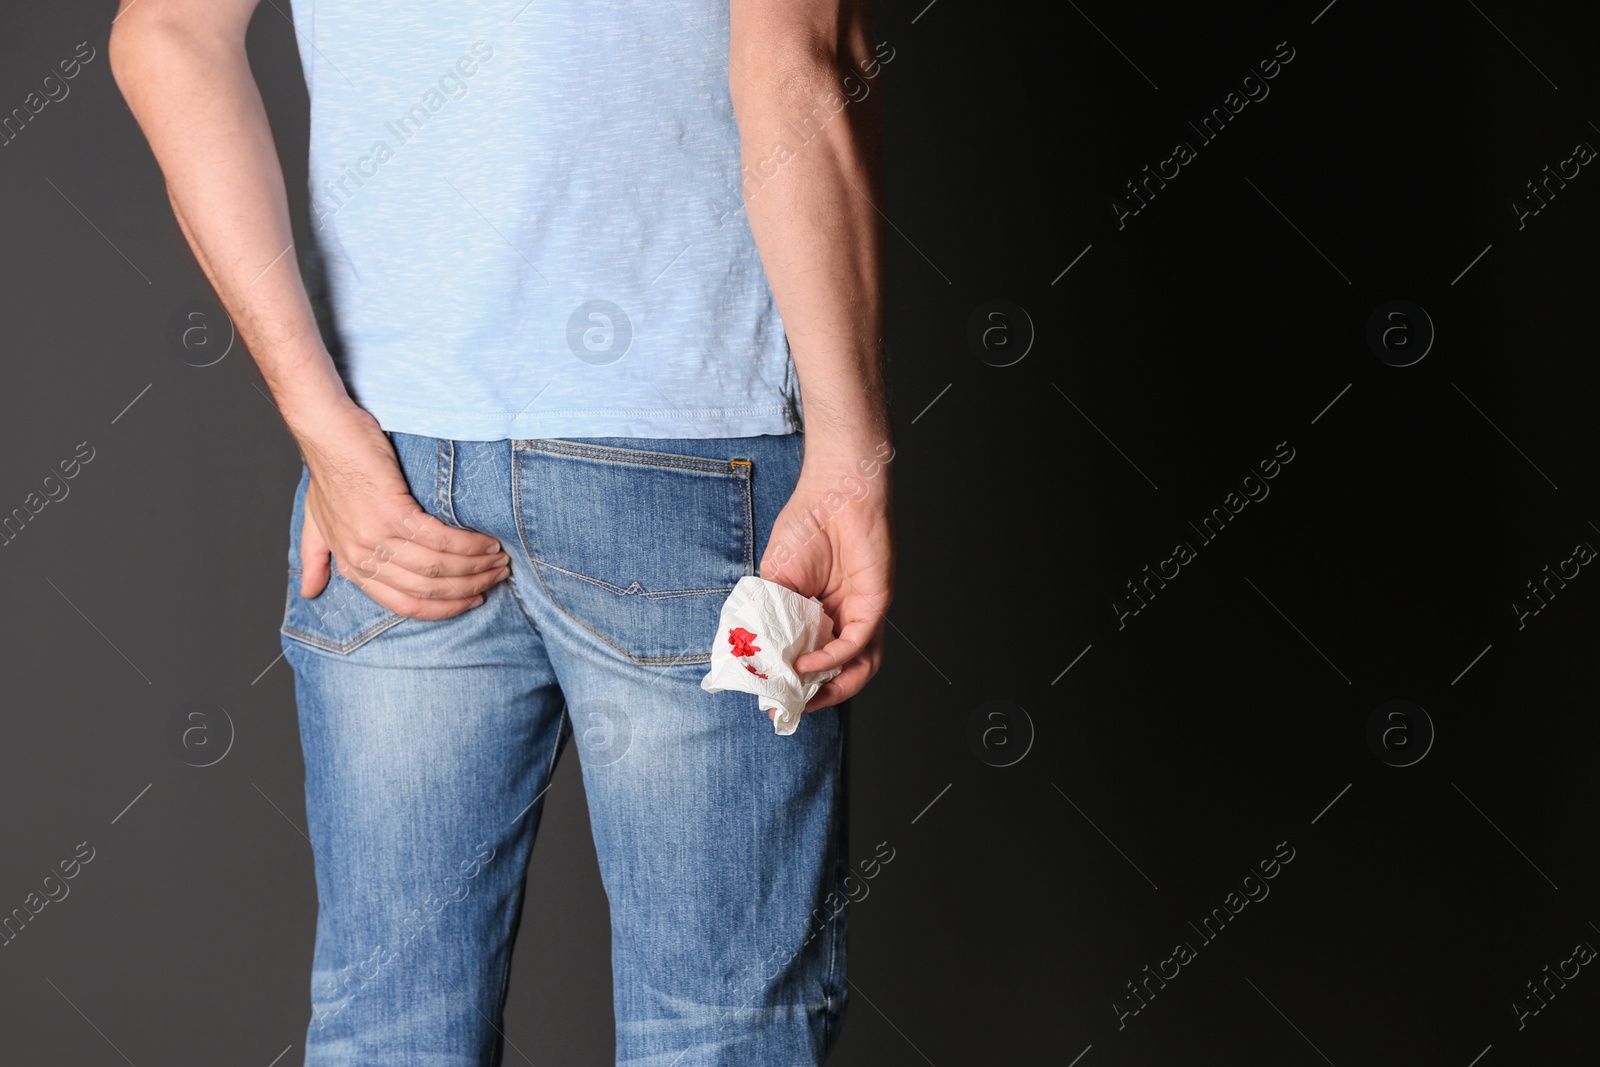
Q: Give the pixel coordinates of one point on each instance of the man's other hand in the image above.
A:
(835, 540)
(359, 509)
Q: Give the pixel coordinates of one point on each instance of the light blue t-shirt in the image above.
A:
(528, 220)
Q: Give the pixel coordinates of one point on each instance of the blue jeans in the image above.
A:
(429, 746)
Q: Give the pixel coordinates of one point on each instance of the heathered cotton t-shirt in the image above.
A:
(528, 220)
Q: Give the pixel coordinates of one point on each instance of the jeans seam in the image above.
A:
(343, 648)
(609, 454)
(511, 584)
(742, 467)
(555, 750)
(444, 483)
(549, 776)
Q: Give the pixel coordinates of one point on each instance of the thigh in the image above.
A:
(427, 746)
(718, 840)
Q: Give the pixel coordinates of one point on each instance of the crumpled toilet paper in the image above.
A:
(764, 628)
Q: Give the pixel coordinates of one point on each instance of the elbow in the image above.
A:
(129, 52)
(806, 75)
(117, 54)
(145, 45)
(795, 56)
(798, 76)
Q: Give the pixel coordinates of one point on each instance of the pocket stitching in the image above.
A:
(608, 454)
(343, 648)
(699, 657)
(612, 587)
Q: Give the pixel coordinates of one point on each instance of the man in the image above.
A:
(574, 269)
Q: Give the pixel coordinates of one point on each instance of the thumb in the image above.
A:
(314, 553)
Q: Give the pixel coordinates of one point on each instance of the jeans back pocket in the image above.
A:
(639, 547)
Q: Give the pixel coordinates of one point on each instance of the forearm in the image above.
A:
(194, 96)
(813, 172)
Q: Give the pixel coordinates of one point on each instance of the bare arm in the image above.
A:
(184, 72)
(811, 152)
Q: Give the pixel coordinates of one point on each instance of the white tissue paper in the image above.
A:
(764, 628)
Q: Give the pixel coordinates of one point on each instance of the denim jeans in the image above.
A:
(429, 746)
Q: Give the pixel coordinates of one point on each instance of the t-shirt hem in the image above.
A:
(630, 422)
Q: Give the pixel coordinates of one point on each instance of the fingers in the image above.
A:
(446, 596)
(850, 681)
(396, 566)
(428, 574)
(411, 552)
(855, 636)
(381, 538)
(835, 653)
(856, 672)
(313, 559)
(411, 607)
(412, 588)
(423, 530)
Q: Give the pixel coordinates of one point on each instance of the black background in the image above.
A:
(1228, 716)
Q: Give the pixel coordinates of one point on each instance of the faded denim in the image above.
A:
(429, 746)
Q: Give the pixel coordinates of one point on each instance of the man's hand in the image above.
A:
(834, 540)
(359, 508)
